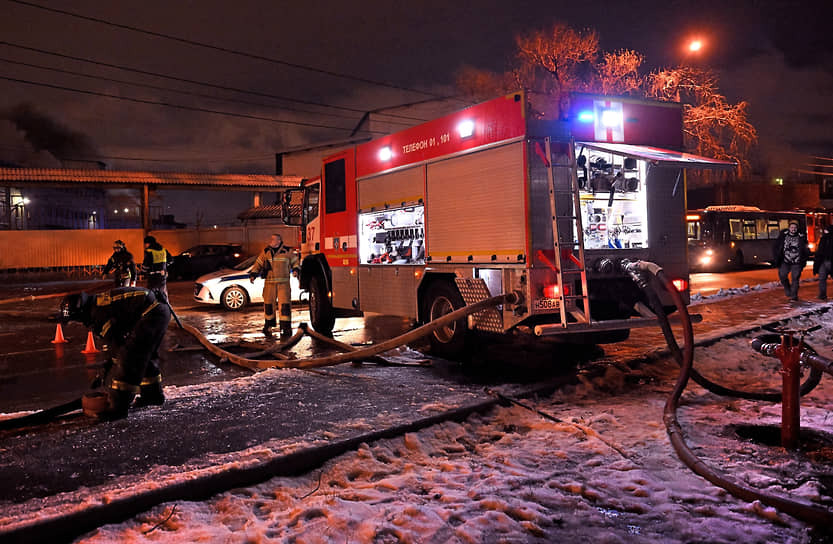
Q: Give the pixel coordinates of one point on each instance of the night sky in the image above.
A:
(777, 55)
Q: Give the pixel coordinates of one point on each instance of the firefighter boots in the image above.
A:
(118, 404)
(267, 332)
(150, 394)
(286, 329)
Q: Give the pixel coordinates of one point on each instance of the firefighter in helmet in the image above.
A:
(132, 322)
(275, 263)
(155, 267)
(122, 265)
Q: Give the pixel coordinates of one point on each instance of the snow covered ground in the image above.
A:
(601, 471)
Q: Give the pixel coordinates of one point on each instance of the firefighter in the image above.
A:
(132, 322)
(155, 267)
(275, 263)
(122, 265)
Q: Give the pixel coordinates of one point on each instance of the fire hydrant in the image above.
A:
(789, 352)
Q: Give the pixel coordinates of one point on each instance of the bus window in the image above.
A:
(735, 231)
(693, 230)
(774, 230)
(749, 229)
(761, 225)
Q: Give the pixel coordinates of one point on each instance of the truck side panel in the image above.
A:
(392, 190)
(475, 207)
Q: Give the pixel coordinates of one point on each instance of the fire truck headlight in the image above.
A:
(385, 154)
(465, 128)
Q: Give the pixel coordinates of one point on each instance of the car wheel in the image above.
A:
(450, 340)
(321, 314)
(234, 298)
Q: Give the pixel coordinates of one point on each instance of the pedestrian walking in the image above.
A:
(823, 261)
(790, 254)
(132, 322)
(155, 268)
(122, 265)
(275, 263)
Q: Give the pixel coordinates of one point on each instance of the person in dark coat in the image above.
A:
(155, 267)
(122, 265)
(790, 254)
(132, 322)
(823, 261)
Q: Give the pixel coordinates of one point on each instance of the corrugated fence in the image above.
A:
(58, 250)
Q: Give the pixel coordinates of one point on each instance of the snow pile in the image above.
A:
(590, 463)
(732, 291)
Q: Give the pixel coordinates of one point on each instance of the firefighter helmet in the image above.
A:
(72, 307)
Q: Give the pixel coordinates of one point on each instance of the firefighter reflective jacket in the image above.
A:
(156, 260)
(278, 262)
(112, 315)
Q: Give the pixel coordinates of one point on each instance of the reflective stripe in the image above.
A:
(106, 327)
(152, 380)
(119, 385)
(149, 308)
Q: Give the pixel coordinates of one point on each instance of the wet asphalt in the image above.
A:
(222, 413)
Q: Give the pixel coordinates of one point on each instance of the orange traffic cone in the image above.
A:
(59, 336)
(90, 344)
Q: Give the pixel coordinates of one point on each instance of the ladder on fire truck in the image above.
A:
(567, 235)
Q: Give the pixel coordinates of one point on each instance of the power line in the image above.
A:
(169, 89)
(196, 82)
(179, 106)
(222, 49)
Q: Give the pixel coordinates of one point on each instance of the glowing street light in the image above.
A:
(695, 46)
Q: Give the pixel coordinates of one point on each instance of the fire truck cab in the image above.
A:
(491, 200)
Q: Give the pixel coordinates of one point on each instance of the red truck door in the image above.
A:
(339, 242)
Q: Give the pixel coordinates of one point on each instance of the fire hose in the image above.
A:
(804, 511)
(352, 354)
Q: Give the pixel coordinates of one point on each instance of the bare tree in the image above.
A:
(551, 64)
(711, 126)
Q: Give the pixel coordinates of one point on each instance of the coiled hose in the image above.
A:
(804, 511)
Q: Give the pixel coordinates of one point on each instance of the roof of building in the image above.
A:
(123, 177)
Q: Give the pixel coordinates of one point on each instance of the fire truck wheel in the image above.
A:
(234, 298)
(321, 314)
(448, 341)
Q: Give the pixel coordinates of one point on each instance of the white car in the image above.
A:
(232, 289)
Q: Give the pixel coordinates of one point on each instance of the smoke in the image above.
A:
(44, 134)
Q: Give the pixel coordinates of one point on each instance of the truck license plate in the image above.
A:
(547, 304)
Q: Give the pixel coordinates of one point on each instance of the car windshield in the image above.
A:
(247, 263)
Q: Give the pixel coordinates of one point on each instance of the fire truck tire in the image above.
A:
(321, 314)
(440, 299)
(234, 298)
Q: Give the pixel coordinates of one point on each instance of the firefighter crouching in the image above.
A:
(132, 323)
(275, 263)
(155, 267)
(122, 265)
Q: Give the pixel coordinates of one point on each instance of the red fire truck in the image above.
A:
(491, 200)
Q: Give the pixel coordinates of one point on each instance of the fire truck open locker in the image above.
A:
(489, 200)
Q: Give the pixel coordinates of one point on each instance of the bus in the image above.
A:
(818, 219)
(721, 237)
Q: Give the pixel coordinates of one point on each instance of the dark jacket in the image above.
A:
(112, 315)
(778, 248)
(824, 251)
(122, 265)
